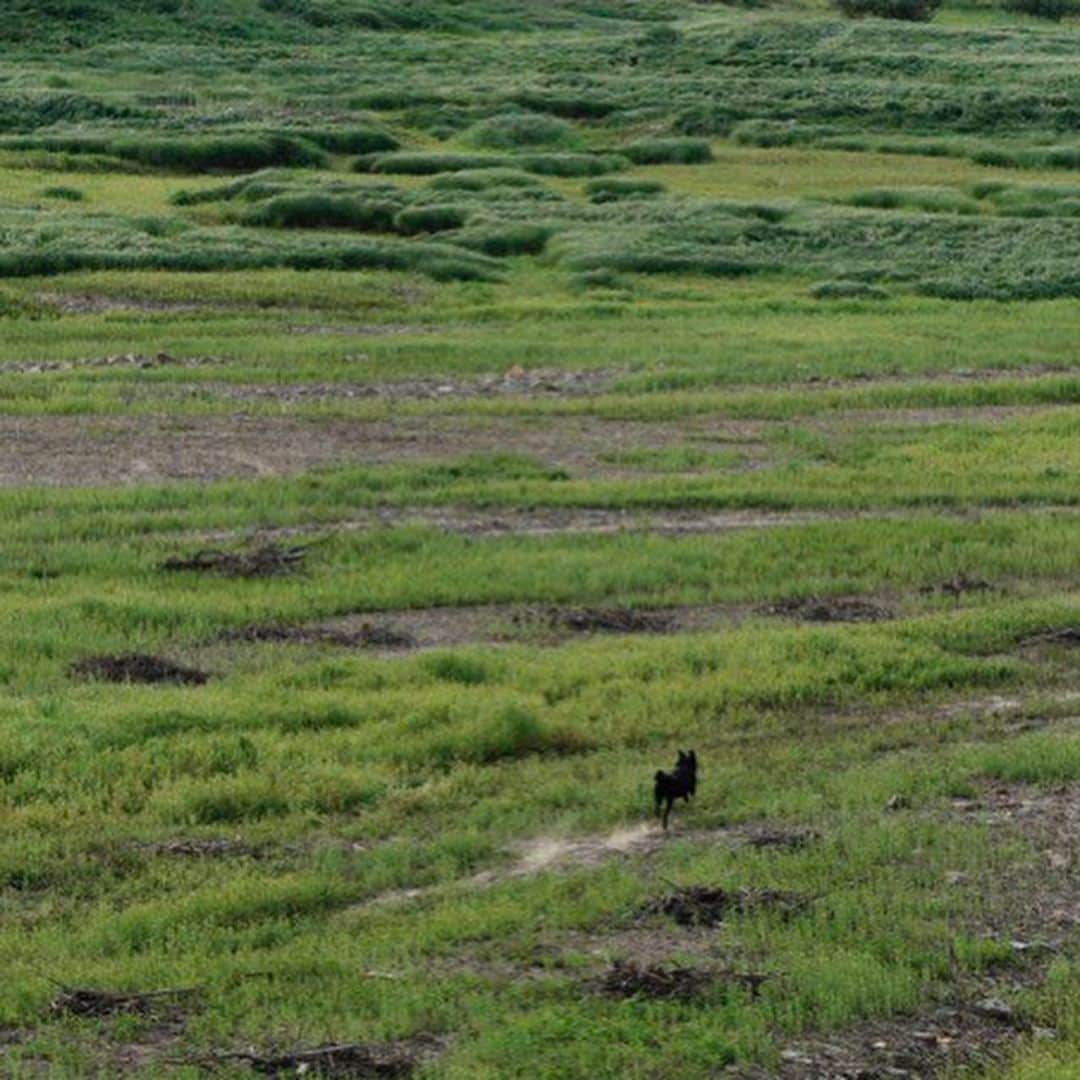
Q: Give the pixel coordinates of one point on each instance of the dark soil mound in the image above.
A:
(625, 980)
(597, 620)
(704, 905)
(342, 1061)
(270, 560)
(138, 668)
(368, 636)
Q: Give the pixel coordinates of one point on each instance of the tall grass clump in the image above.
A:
(904, 10)
(1054, 10)
(422, 163)
(184, 153)
(615, 188)
(516, 130)
(322, 211)
(430, 219)
(501, 241)
(674, 151)
(484, 180)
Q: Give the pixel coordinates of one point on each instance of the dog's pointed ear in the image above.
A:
(682, 756)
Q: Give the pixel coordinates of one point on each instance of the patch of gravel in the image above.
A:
(142, 361)
(514, 383)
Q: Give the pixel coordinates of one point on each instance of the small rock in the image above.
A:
(898, 802)
(995, 1009)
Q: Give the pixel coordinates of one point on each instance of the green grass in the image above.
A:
(620, 264)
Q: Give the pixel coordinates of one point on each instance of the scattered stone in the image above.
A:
(995, 1009)
(138, 668)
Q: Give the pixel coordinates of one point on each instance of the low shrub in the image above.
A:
(322, 211)
(66, 194)
(501, 241)
(347, 140)
(847, 290)
(580, 106)
(1055, 10)
(190, 154)
(484, 180)
(613, 189)
(429, 219)
(418, 163)
(767, 133)
(669, 152)
(429, 164)
(905, 10)
(927, 200)
(572, 165)
(510, 131)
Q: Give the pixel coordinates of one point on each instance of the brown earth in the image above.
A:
(77, 450)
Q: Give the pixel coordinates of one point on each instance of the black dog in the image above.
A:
(681, 783)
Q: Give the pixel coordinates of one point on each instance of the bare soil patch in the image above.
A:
(492, 624)
(267, 560)
(771, 837)
(138, 668)
(83, 1001)
(917, 1047)
(80, 450)
(370, 635)
(829, 609)
(342, 1060)
(671, 983)
(705, 905)
(201, 848)
(540, 382)
(614, 620)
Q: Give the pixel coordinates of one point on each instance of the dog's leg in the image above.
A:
(667, 810)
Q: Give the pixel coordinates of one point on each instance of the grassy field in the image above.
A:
(404, 457)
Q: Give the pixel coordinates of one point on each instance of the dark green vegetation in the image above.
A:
(402, 459)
